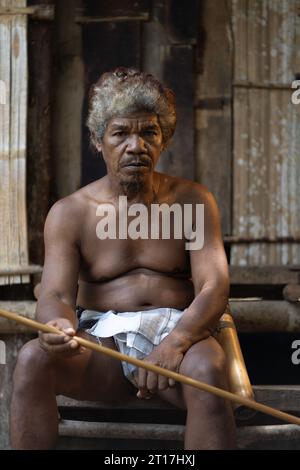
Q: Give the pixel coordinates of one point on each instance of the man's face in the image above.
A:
(131, 146)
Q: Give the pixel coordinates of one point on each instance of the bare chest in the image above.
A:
(107, 258)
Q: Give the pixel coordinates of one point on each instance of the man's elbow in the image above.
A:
(225, 287)
(219, 289)
(220, 286)
(223, 290)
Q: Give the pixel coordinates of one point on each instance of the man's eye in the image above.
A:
(119, 133)
(150, 133)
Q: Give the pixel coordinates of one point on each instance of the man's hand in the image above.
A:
(63, 345)
(164, 355)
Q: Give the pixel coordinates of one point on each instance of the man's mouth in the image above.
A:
(137, 164)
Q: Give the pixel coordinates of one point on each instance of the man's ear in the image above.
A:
(98, 147)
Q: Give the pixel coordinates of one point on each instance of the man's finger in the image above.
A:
(172, 382)
(162, 382)
(143, 394)
(69, 331)
(61, 348)
(52, 338)
(142, 384)
(73, 344)
(142, 378)
(152, 382)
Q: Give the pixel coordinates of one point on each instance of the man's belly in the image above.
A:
(136, 291)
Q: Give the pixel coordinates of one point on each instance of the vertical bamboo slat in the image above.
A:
(13, 71)
(4, 141)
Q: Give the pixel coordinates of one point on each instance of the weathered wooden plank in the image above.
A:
(30, 269)
(83, 429)
(266, 315)
(265, 239)
(283, 397)
(137, 11)
(259, 436)
(110, 19)
(269, 86)
(246, 435)
(213, 113)
(178, 159)
(68, 96)
(132, 403)
(259, 275)
(38, 12)
(117, 8)
(39, 158)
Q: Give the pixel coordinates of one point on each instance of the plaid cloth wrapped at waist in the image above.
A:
(134, 333)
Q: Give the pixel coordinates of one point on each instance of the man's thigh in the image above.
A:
(93, 376)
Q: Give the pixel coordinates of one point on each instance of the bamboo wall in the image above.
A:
(13, 72)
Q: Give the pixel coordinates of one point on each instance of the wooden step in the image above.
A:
(283, 397)
(246, 436)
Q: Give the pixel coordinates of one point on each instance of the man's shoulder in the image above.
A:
(75, 203)
(70, 211)
(65, 207)
(187, 190)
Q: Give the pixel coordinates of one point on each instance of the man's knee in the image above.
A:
(206, 365)
(32, 363)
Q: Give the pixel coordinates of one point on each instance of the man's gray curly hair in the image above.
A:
(124, 91)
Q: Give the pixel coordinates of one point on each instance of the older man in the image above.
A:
(139, 290)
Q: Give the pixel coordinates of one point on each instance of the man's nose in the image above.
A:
(136, 144)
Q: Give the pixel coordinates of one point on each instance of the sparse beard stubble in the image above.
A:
(133, 185)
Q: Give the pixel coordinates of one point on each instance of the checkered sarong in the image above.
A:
(134, 333)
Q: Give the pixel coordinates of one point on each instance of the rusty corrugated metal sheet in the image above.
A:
(266, 40)
(266, 189)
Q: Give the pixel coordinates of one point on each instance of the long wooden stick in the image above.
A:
(158, 370)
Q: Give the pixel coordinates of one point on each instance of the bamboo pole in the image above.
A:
(156, 369)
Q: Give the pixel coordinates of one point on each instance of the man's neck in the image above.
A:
(137, 192)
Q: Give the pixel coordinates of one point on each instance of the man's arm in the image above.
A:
(57, 299)
(211, 282)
